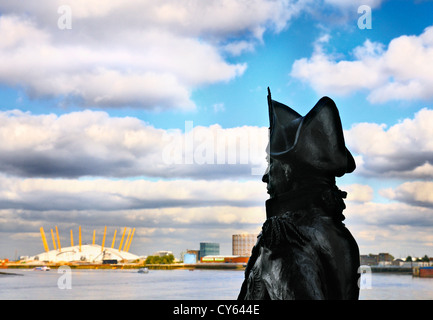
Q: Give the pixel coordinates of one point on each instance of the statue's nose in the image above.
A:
(265, 178)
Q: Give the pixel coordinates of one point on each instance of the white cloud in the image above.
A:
(218, 107)
(398, 228)
(156, 71)
(354, 3)
(144, 54)
(402, 71)
(404, 150)
(174, 229)
(358, 192)
(237, 48)
(104, 194)
(400, 241)
(383, 215)
(90, 143)
(418, 193)
(343, 77)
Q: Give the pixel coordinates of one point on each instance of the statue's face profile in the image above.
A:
(277, 177)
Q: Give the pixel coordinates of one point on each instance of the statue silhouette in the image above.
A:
(304, 250)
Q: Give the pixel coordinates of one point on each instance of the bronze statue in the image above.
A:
(304, 250)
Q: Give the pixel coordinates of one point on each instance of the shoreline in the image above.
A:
(174, 266)
(401, 270)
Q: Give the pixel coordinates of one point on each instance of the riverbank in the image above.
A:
(391, 269)
(174, 266)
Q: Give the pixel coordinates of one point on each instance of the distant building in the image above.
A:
(242, 244)
(85, 253)
(195, 253)
(369, 260)
(224, 259)
(162, 253)
(209, 249)
(385, 257)
(189, 258)
(397, 262)
(378, 259)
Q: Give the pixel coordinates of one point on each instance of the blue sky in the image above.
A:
(93, 116)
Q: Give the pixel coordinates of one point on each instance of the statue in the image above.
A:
(304, 250)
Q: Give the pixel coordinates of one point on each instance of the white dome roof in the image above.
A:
(89, 253)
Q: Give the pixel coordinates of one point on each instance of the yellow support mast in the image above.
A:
(79, 237)
(58, 240)
(54, 241)
(44, 240)
(72, 239)
(103, 239)
(130, 240)
(114, 239)
(121, 241)
(94, 233)
(127, 239)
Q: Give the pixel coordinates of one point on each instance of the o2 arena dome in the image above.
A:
(92, 253)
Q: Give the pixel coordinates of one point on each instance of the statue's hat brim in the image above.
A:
(313, 142)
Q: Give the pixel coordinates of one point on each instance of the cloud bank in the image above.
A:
(404, 150)
(416, 193)
(105, 194)
(92, 143)
(139, 54)
(399, 71)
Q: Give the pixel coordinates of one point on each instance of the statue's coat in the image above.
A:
(304, 250)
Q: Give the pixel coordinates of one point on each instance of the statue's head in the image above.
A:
(308, 146)
(278, 177)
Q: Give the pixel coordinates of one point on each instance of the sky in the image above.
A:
(153, 115)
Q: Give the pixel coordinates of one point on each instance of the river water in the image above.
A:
(175, 285)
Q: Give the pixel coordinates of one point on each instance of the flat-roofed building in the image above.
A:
(242, 244)
(209, 249)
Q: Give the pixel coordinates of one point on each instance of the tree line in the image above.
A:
(423, 259)
(168, 259)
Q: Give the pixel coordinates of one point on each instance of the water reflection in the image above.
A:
(178, 284)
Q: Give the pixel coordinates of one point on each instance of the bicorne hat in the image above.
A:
(314, 143)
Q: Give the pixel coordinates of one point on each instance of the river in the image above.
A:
(87, 284)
